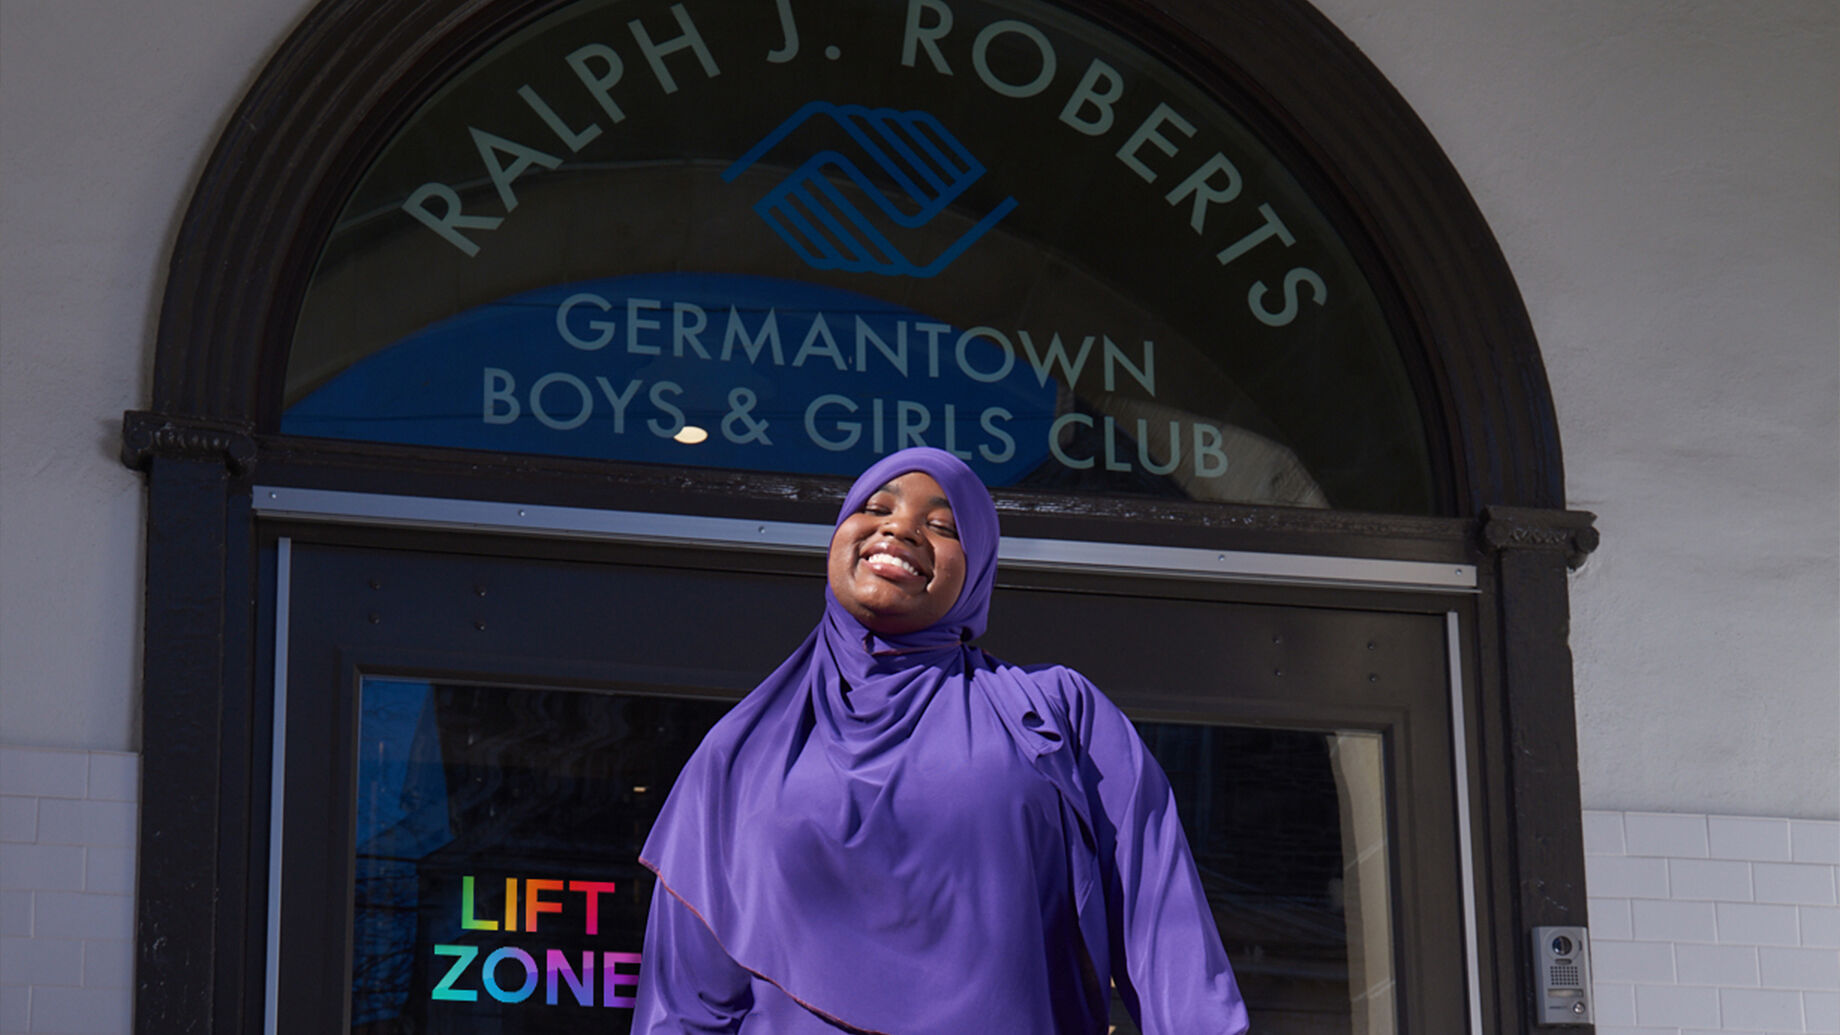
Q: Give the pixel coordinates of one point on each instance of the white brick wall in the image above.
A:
(1699, 924)
(67, 835)
(1704, 924)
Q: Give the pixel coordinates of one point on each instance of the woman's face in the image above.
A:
(896, 564)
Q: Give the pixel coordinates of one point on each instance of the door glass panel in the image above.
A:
(497, 882)
(1289, 833)
(497, 886)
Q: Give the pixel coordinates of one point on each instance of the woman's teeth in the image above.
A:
(888, 558)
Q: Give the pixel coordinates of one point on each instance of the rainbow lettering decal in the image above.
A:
(512, 973)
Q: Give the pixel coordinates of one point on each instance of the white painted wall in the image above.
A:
(1662, 175)
(107, 113)
(1664, 180)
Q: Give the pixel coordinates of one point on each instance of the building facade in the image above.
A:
(412, 309)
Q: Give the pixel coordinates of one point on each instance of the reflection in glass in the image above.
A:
(497, 887)
(1289, 832)
(1367, 905)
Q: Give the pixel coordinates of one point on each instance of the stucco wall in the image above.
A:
(1665, 181)
(1662, 176)
(106, 117)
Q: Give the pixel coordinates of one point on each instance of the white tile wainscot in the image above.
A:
(68, 822)
(1704, 924)
(1699, 924)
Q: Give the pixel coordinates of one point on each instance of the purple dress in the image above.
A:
(905, 835)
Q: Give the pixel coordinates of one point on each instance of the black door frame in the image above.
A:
(456, 605)
(207, 722)
(354, 69)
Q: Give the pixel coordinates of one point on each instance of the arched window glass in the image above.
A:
(794, 236)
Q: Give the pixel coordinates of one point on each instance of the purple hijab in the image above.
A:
(902, 834)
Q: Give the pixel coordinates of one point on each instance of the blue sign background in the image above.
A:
(656, 351)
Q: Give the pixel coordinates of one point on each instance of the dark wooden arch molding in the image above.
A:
(354, 70)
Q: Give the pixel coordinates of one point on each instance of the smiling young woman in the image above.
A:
(896, 832)
(896, 564)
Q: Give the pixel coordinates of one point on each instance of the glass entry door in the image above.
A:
(1312, 754)
(475, 748)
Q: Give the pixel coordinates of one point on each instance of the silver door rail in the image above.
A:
(462, 515)
(1466, 847)
(284, 597)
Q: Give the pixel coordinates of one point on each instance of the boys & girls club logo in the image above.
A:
(871, 232)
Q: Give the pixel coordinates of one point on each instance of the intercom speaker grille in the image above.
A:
(1565, 975)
